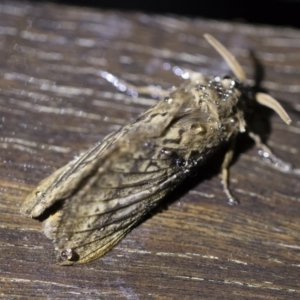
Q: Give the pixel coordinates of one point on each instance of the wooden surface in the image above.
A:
(57, 99)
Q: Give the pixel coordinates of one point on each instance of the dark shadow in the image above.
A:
(51, 210)
(259, 72)
(274, 12)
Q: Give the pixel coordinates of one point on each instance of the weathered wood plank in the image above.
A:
(57, 98)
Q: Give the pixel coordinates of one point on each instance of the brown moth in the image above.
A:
(102, 194)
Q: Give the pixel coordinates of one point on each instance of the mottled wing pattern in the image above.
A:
(140, 170)
(112, 200)
(64, 181)
(114, 184)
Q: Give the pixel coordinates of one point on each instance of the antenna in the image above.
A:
(238, 71)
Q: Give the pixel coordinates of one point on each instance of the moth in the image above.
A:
(97, 198)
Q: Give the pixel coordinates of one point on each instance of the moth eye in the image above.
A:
(199, 128)
(67, 254)
(168, 100)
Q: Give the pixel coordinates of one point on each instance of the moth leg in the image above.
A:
(269, 156)
(225, 173)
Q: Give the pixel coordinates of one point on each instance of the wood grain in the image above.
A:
(59, 68)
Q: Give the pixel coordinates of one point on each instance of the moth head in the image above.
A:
(262, 98)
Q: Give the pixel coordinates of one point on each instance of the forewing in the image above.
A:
(129, 184)
(62, 183)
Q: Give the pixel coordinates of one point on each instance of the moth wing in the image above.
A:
(63, 181)
(112, 186)
(127, 186)
(34, 203)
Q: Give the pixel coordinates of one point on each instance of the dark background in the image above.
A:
(273, 12)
